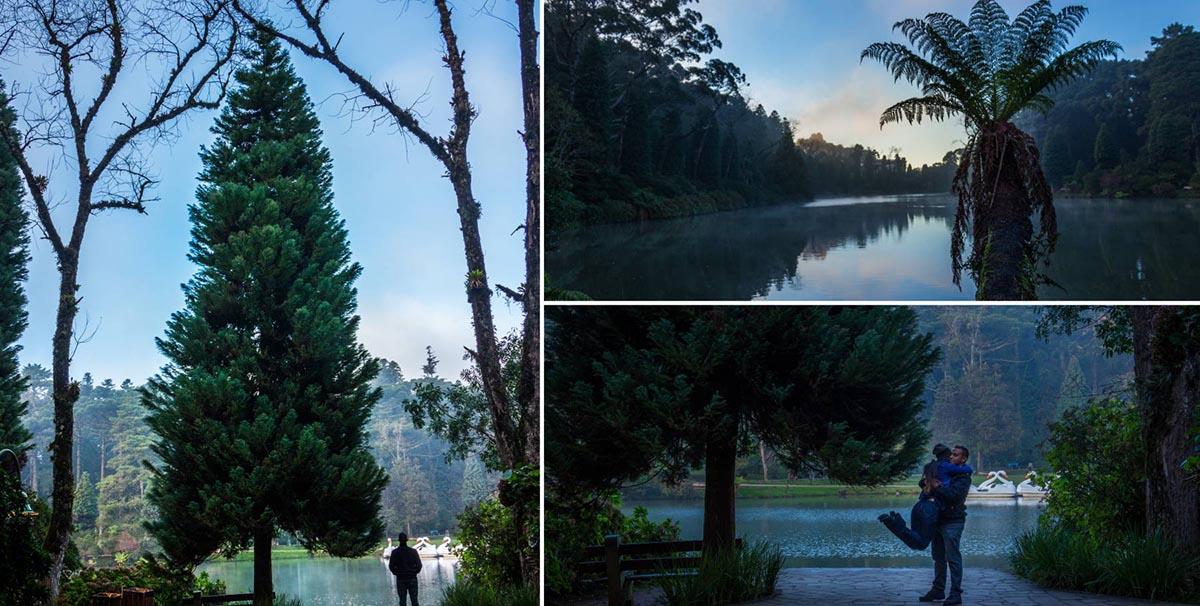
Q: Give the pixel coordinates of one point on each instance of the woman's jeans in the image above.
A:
(924, 525)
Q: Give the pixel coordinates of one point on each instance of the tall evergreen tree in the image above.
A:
(1105, 151)
(638, 390)
(14, 254)
(261, 411)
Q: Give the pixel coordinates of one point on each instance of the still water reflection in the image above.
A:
(881, 248)
(336, 582)
(843, 532)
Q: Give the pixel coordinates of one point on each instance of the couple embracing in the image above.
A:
(938, 519)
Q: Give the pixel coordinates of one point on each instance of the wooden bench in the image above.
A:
(607, 560)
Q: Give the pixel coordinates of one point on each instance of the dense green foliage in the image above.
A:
(23, 560)
(987, 70)
(14, 256)
(171, 585)
(1149, 566)
(471, 594)
(111, 422)
(1096, 454)
(262, 410)
(487, 532)
(636, 391)
(641, 123)
(727, 577)
(1127, 128)
(603, 517)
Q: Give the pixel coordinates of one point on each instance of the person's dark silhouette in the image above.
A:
(405, 563)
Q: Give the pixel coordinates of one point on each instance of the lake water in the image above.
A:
(335, 582)
(880, 248)
(844, 532)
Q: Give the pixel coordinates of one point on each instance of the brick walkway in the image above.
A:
(887, 586)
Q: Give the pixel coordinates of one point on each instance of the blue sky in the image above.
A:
(801, 58)
(399, 210)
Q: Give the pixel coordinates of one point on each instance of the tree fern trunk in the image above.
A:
(1006, 274)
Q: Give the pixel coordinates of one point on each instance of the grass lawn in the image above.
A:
(778, 489)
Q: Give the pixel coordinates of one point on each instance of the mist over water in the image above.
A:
(878, 248)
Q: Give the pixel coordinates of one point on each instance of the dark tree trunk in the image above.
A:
(479, 295)
(531, 345)
(58, 535)
(1167, 367)
(264, 587)
(762, 456)
(1009, 232)
(720, 460)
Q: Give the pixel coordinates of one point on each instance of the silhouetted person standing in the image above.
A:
(405, 563)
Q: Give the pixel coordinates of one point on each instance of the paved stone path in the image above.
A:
(895, 586)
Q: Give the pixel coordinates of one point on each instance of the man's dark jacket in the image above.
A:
(953, 497)
(405, 563)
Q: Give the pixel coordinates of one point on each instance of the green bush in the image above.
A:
(1149, 566)
(23, 562)
(490, 545)
(171, 585)
(472, 594)
(727, 577)
(1096, 453)
(570, 528)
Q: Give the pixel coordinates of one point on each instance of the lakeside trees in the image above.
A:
(987, 71)
(641, 122)
(261, 412)
(1126, 128)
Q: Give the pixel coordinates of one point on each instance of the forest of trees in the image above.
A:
(423, 497)
(643, 123)
(1130, 127)
(995, 389)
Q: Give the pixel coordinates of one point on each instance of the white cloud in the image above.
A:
(398, 328)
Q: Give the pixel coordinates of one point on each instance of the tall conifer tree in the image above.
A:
(262, 409)
(14, 255)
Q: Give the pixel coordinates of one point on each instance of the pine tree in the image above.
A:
(14, 254)
(1106, 153)
(1074, 391)
(474, 484)
(86, 504)
(261, 412)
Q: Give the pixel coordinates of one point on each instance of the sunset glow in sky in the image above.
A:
(801, 58)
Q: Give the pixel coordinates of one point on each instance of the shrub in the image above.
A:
(572, 527)
(1150, 566)
(1096, 452)
(23, 562)
(171, 585)
(490, 545)
(473, 594)
(727, 577)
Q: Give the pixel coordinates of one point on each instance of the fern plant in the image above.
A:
(986, 71)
